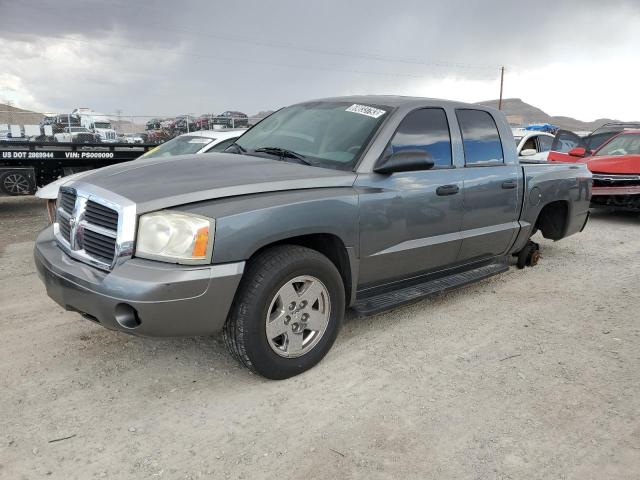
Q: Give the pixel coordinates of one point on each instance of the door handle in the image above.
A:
(509, 184)
(443, 190)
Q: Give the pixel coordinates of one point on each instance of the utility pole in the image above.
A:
(501, 84)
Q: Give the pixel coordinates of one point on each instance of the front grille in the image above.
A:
(84, 138)
(100, 215)
(67, 201)
(615, 180)
(99, 246)
(87, 229)
(65, 229)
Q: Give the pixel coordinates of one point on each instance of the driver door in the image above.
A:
(563, 142)
(410, 221)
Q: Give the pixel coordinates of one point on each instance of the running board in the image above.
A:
(403, 296)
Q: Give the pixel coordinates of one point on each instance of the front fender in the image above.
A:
(248, 223)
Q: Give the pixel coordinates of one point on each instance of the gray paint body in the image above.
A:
(393, 227)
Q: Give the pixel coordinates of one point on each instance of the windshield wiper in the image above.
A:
(282, 152)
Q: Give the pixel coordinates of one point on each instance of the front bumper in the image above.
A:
(140, 296)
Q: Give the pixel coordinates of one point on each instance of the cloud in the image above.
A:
(154, 58)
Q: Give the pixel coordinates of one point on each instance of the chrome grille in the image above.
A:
(90, 228)
(100, 215)
(68, 201)
(99, 246)
(65, 229)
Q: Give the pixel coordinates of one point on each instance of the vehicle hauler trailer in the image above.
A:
(25, 166)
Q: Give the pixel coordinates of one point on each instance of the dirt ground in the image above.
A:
(529, 375)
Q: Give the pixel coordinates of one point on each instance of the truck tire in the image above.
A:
(16, 183)
(287, 312)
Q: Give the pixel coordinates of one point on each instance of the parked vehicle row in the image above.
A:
(363, 202)
(611, 152)
(207, 121)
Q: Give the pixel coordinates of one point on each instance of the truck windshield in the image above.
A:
(325, 134)
(102, 125)
(179, 146)
(626, 144)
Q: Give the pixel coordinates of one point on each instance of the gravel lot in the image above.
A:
(531, 374)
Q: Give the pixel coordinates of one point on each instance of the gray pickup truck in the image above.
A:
(366, 202)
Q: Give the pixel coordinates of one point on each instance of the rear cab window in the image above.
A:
(480, 138)
(425, 129)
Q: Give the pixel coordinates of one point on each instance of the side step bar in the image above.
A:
(403, 296)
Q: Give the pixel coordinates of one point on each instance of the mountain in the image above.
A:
(262, 114)
(520, 113)
(13, 115)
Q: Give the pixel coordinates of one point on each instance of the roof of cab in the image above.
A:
(401, 101)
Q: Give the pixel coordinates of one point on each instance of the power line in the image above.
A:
(324, 51)
(236, 59)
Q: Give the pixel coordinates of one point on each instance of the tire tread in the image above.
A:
(253, 281)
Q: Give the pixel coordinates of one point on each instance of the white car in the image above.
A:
(189, 143)
(132, 138)
(532, 144)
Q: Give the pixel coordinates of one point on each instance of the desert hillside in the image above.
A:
(522, 113)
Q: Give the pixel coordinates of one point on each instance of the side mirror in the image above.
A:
(405, 161)
(578, 152)
(527, 152)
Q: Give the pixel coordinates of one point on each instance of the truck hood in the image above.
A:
(50, 191)
(614, 164)
(155, 183)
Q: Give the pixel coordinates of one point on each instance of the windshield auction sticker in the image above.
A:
(366, 110)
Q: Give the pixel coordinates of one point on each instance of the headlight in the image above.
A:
(175, 237)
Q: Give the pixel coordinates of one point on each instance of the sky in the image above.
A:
(578, 58)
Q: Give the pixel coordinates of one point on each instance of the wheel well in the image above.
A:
(552, 220)
(327, 244)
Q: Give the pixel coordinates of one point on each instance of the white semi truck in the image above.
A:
(98, 123)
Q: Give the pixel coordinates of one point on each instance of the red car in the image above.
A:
(615, 166)
(565, 141)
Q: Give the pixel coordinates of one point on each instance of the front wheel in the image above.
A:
(287, 312)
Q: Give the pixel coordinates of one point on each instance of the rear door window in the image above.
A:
(480, 138)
